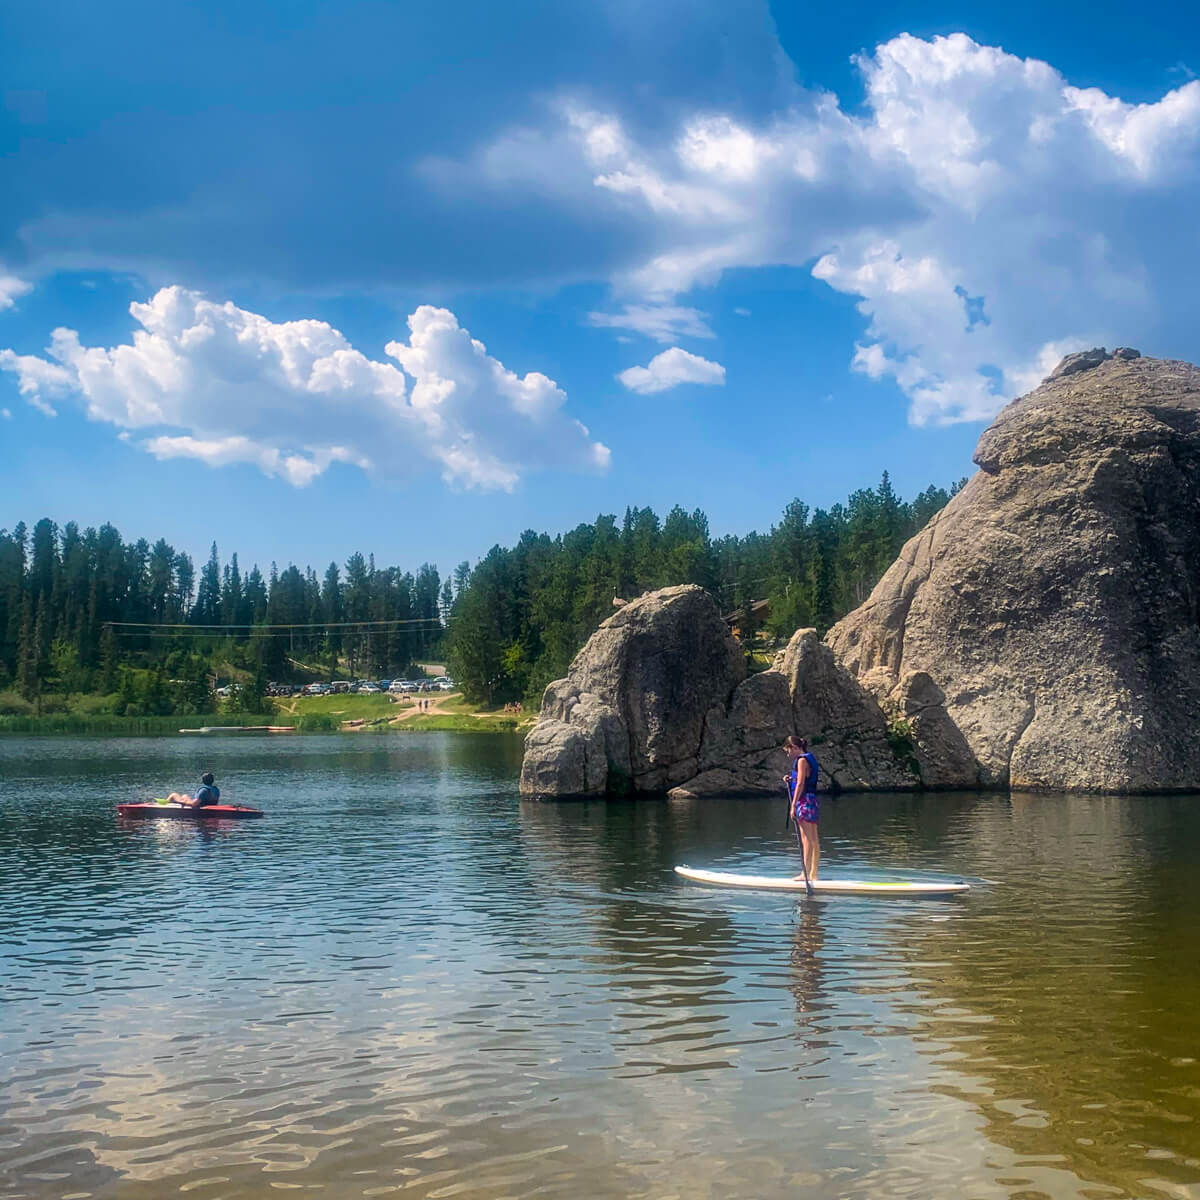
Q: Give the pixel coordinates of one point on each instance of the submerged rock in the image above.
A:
(1043, 630)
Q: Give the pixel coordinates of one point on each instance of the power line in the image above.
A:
(363, 625)
(248, 637)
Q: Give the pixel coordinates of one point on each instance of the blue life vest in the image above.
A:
(814, 769)
(208, 794)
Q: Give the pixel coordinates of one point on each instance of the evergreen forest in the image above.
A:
(93, 623)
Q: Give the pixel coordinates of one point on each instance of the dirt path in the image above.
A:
(436, 707)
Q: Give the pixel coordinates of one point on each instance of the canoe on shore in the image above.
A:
(242, 729)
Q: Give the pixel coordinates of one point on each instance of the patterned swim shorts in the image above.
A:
(807, 808)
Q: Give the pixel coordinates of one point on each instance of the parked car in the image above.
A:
(369, 689)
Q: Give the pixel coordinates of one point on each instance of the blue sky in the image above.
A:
(412, 281)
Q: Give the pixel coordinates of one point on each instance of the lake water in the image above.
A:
(405, 979)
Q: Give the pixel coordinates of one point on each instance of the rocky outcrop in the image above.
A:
(658, 699)
(809, 693)
(631, 713)
(1043, 631)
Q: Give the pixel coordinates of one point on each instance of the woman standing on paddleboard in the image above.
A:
(803, 804)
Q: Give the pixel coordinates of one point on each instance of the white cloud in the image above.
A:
(671, 368)
(217, 383)
(37, 379)
(662, 322)
(10, 288)
(6, 414)
(985, 212)
(298, 470)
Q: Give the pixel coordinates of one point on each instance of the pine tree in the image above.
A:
(28, 679)
(208, 594)
(195, 693)
(153, 699)
(127, 695)
(108, 661)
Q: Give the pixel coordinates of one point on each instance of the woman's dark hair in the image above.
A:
(793, 740)
(207, 779)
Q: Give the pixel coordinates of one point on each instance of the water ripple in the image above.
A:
(405, 979)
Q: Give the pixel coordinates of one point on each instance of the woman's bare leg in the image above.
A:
(812, 847)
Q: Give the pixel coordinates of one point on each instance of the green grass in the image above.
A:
(108, 725)
(346, 707)
(462, 723)
(458, 715)
(309, 714)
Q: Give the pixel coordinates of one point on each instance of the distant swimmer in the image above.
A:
(207, 793)
(803, 805)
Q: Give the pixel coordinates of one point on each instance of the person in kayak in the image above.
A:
(803, 805)
(206, 793)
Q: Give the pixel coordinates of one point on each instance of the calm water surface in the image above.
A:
(405, 979)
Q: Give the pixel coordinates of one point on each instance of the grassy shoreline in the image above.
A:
(102, 723)
(309, 714)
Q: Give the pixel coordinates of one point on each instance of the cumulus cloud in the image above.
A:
(217, 383)
(985, 212)
(10, 288)
(662, 322)
(37, 379)
(669, 369)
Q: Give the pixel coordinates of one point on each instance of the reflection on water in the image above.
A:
(405, 979)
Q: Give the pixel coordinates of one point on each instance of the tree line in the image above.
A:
(135, 625)
(525, 611)
(87, 612)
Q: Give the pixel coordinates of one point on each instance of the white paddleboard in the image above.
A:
(843, 887)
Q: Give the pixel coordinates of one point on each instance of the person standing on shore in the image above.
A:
(803, 804)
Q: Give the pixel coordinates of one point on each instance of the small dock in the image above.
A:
(242, 729)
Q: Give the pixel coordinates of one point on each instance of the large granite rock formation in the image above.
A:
(659, 699)
(1042, 631)
(630, 714)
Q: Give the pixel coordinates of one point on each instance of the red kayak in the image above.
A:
(162, 808)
